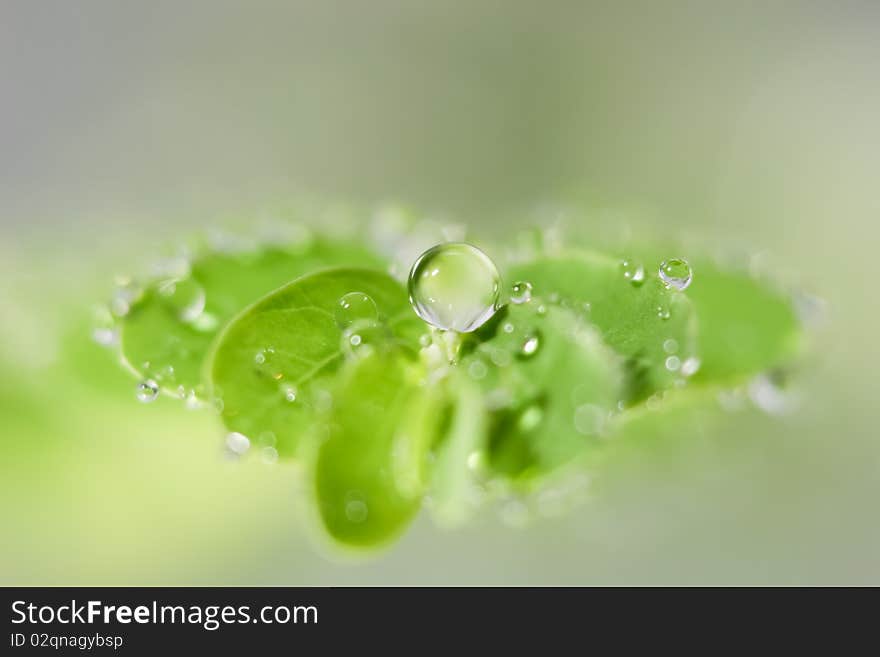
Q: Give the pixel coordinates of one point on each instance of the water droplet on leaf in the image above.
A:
(353, 307)
(633, 271)
(521, 292)
(530, 345)
(676, 273)
(454, 287)
(147, 391)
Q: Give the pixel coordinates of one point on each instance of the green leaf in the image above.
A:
(380, 415)
(745, 326)
(272, 366)
(153, 337)
(634, 320)
(549, 405)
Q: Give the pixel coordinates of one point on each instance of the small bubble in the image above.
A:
(530, 345)
(477, 370)
(269, 455)
(541, 310)
(633, 271)
(147, 391)
(354, 307)
(260, 358)
(670, 346)
(673, 363)
(454, 287)
(501, 357)
(521, 292)
(589, 419)
(676, 273)
(508, 327)
(356, 511)
(237, 443)
(267, 439)
(690, 366)
(663, 312)
(289, 393)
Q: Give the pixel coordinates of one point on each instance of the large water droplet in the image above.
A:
(185, 297)
(454, 287)
(147, 391)
(521, 292)
(353, 307)
(677, 273)
(633, 271)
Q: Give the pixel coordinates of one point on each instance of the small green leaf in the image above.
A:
(271, 367)
(379, 411)
(639, 321)
(154, 337)
(550, 400)
(745, 327)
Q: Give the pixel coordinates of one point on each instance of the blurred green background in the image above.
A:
(123, 126)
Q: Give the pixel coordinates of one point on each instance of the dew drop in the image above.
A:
(454, 287)
(237, 443)
(676, 273)
(633, 271)
(185, 297)
(508, 327)
(530, 345)
(354, 307)
(147, 391)
(289, 393)
(673, 363)
(521, 292)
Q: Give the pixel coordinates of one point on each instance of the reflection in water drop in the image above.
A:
(454, 287)
(676, 273)
(147, 391)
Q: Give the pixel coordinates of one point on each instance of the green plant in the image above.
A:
(312, 354)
